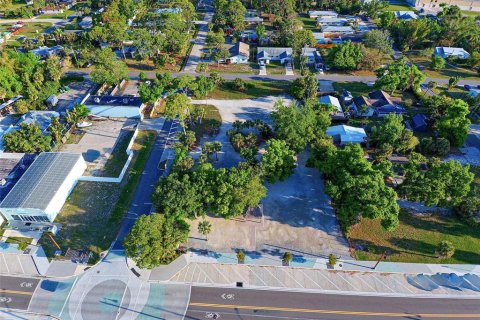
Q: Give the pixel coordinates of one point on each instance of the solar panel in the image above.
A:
(40, 183)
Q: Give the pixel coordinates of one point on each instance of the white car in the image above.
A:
(84, 124)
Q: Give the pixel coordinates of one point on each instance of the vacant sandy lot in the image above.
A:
(297, 213)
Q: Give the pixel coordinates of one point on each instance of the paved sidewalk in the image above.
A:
(373, 283)
(320, 262)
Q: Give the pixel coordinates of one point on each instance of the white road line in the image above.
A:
(401, 284)
(301, 285)
(257, 276)
(20, 263)
(360, 277)
(68, 297)
(188, 302)
(325, 277)
(280, 282)
(383, 283)
(193, 273)
(205, 273)
(121, 301)
(81, 298)
(220, 272)
(306, 275)
(356, 289)
(234, 268)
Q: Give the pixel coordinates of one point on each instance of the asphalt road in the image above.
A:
(331, 77)
(16, 293)
(141, 202)
(245, 304)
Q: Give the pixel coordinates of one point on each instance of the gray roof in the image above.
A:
(273, 52)
(40, 183)
(114, 101)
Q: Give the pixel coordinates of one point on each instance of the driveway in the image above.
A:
(297, 213)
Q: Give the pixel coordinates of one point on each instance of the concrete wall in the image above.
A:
(124, 169)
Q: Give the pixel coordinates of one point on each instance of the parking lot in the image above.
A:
(297, 213)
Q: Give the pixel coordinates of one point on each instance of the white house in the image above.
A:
(337, 112)
(405, 15)
(343, 134)
(337, 30)
(322, 21)
(446, 52)
(239, 53)
(40, 193)
(267, 54)
(115, 106)
(313, 14)
(312, 56)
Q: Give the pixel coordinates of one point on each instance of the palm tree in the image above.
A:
(205, 227)
(216, 147)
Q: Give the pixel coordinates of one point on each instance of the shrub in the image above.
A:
(445, 249)
(332, 259)
(437, 63)
(240, 256)
(287, 257)
(142, 76)
(239, 84)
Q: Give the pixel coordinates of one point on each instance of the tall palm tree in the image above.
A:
(216, 147)
(205, 227)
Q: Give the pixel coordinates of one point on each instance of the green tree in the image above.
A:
(53, 68)
(455, 125)
(386, 19)
(205, 227)
(379, 40)
(437, 63)
(299, 39)
(107, 68)
(215, 39)
(444, 183)
(452, 82)
(399, 75)
(413, 33)
(445, 249)
(468, 209)
(356, 186)
(178, 197)
(298, 126)
(29, 139)
(187, 138)
(154, 239)
(278, 162)
(287, 258)
(436, 147)
(178, 105)
(305, 87)
(391, 131)
(346, 56)
(373, 7)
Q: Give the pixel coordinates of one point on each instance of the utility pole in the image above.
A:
(382, 257)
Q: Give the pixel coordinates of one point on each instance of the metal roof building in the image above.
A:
(40, 193)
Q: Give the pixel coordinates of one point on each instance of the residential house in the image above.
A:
(252, 17)
(405, 15)
(362, 107)
(446, 52)
(86, 23)
(267, 54)
(419, 122)
(321, 21)
(313, 57)
(336, 31)
(322, 39)
(239, 53)
(385, 104)
(343, 134)
(45, 52)
(337, 113)
(7, 106)
(313, 14)
(40, 118)
(169, 10)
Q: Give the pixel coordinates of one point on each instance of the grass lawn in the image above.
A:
(255, 89)
(64, 15)
(449, 70)
(471, 13)
(399, 7)
(21, 241)
(309, 23)
(92, 214)
(275, 68)
(416, 239)
(14, 5)
(29, 30)
(119, 156)
(356, 88)
(248, 68)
